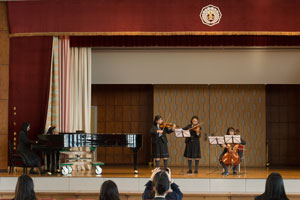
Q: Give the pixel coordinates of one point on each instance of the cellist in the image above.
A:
(230, 131)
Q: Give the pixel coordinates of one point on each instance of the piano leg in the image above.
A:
(52, 162)
(57, 162)
(47, 161)
(135, 153)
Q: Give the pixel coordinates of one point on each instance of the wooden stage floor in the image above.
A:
(178, 172)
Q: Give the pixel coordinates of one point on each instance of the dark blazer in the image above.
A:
(155, 135)
(24, 142)
(176, 194)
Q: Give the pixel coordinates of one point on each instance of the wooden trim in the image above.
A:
(140, 33)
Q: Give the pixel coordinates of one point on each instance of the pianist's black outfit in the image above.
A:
(159, 144)
(176, 194)
(192, 148)
(28, 156)
(240, 153)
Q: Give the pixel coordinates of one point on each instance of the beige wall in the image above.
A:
(196, 66)
(219, 106)
(4, 81)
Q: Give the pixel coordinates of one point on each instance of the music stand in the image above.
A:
(180, 133)
(50, 130)
(232, 139)
(216, 140)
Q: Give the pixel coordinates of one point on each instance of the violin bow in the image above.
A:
(166, 121)
(200, 124)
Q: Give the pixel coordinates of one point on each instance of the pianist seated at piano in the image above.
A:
(24, 149)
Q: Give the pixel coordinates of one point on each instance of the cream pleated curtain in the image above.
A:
(69, 105)
(80, 89)
(54, 95)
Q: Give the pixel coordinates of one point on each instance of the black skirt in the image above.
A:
(192, 148)
(160, 149)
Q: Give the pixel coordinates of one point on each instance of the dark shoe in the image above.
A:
(234, 172)
(190, 172)
(225, 173)
(43, 172)
(33, 172)
(196, 172)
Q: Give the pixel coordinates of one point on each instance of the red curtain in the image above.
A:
(150, 16)
(187, 40)
(29, 82)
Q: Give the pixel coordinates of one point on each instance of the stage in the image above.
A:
(208, 180)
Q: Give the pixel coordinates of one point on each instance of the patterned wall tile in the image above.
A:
(219, 106)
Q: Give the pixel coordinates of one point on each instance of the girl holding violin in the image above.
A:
(192, 147)
(231, 154)
(159, 130)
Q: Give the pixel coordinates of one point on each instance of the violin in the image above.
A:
(166, 125)
(231, 157)
(196, 127)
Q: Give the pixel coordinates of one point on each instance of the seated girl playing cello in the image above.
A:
(231, 154)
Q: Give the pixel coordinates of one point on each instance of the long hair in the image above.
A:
(25, 189)
(274, 188)
(109, 191)
(156, 118)
(229, 129)
(25, 126)
(161, 182)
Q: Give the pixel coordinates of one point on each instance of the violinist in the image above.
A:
(159, 130)
(192, 147)
(231, 149)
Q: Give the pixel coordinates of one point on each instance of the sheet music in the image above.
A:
(235, 139)
(212, 139)
(186, 133)
(179, 132)
(216, 139)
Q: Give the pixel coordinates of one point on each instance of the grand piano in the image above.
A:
(51, 144)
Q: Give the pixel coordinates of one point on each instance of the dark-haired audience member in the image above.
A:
(109, 191)
(25, 189)
(274, 188)
(159, 184)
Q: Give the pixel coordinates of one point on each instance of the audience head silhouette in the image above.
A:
(25, 189)
(274, 188)
(109, 191)
(161, 183)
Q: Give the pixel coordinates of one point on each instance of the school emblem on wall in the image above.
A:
(210, 15)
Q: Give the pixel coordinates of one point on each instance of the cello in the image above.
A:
(231, 157)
